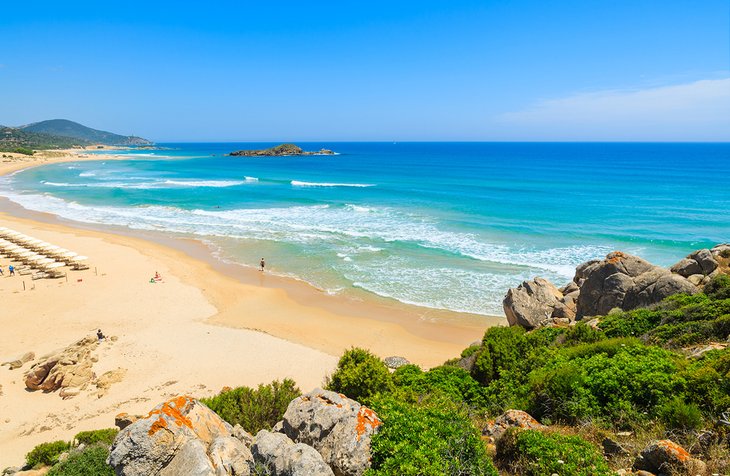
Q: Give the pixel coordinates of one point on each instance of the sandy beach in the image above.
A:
(205, 326)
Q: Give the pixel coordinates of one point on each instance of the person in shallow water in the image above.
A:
(262, 264)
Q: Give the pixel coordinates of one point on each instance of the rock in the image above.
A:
(20, 361)
(699, 351)
(626, 282)
(721, 251)
(280, 456)
(467, 363)
(700, 262)
(69, 392)
(667, 457)
(531, 303)
(242, 435)
(696, 279)
(336, 426)
(394, 362)
(70, 367)
(123, 420)
(229, 456)
(510, 419)
(613, 448)
(180, 436)
(107, 379)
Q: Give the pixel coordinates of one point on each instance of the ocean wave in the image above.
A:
(204, 183)
(251, 179)
(298, 183)
(151, 185)
(87, 174)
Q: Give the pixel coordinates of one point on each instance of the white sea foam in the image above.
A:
(87, 174)
(251, 179)
(298, 183)
(204, 183)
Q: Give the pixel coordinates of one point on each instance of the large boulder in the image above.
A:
(71, 367)
(626, 282)
(179, 436)
(666, 457)
(280, 456)
(531, 303)
(700, 262)
(336, 426)
(495, 429)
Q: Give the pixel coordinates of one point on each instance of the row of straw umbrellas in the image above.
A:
(37, 254)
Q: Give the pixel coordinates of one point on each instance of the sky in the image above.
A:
(489, 70)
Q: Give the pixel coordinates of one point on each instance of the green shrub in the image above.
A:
(533, 453)
(359, 375)
(254, 410)
(24, 151)
(630, 324)
(708, 382)
(719, 286)
(89, 462)
(582, 333)
(433, 438)
(679, 415)
(616, 379)
(503, 348)
(46, 453)
(452, 382)
(105, 436)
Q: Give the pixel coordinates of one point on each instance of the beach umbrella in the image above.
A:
(49, 247)
(80, 258)
(53, 265)
(68, 254)
(45, 261)
(26, 254)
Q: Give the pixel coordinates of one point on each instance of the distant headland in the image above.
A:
(279, 151)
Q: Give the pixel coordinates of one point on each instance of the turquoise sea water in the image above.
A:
(442, 225)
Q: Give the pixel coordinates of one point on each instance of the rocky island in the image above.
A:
(281, 150)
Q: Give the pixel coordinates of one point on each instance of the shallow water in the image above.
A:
(443, 225)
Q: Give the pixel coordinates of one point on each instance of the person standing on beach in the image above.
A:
(2, 273)
(262, 264)
(11, 268)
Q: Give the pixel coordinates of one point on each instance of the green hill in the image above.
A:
(70, 129)
(12, 138)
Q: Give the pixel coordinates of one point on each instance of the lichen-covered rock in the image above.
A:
(180, 436)
(280, 456)
(395, 362)
(626, 282)
(336, 426)
(70, 367)
(496, 428)
(531, 303)
(667, 457)
(229, 456)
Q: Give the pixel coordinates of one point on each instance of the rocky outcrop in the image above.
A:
(667, 457)
(538, 302)
(626, 282)
(700, 262)
(278, 151)
(339, 428)
(180, 436)
(495, 429)
(69, 369)
(278, 455)
(20, 361)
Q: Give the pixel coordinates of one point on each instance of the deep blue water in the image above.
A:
(444, 225)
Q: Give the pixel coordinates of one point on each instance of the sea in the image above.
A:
(440, 225)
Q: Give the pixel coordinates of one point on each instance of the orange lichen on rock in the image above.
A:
(173, 409)
(675, 450)
(615, 257)
(366, 418)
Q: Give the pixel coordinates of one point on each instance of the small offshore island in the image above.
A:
(281, 150)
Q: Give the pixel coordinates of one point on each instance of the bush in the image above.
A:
(452, 382)
(46, 453)
(532, 453)
(708, 382)
(254, 410)
(105, 436)
(582, 333)
(616, 379)
(90, 461)
(359, 375)
(433, 438)
(719, 286)
(679, 415)
(24, 151)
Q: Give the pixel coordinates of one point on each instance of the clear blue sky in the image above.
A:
(376, 70)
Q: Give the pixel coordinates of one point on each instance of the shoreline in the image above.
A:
(209, 325)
